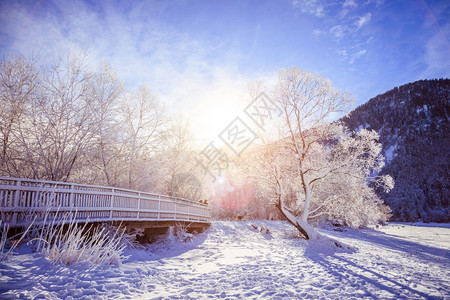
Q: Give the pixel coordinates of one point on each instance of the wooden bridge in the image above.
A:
(23, 200)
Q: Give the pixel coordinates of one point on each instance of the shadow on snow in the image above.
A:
(330, 258)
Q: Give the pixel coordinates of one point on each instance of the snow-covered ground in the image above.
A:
(232, 260)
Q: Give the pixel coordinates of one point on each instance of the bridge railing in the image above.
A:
(22, 199)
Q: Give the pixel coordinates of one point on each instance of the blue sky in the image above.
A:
(198, 56)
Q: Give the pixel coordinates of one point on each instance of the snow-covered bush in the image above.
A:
(64, 240)
(4, 228)
(60, 238)
(7, 245)
(181, 233)
(130, 241)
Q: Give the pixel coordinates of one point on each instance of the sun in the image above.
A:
(213, 115)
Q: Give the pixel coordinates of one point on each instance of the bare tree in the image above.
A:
(19, 85)
(145, 129)
(51, 115)
(307, 101)
(313, 156)
(100, 161)
(63, 122)
(178, 160)
(66, 120)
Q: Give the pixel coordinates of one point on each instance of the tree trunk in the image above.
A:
(292, 220)
(307, 190)
(301, 224)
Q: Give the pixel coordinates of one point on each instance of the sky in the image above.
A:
(198, 57)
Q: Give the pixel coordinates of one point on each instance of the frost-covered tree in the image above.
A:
(144, 131)
(178, 162)
(344, 165)
(54, 114)
(19, 86)
(126, 151)
(65, 120)
(324, 167)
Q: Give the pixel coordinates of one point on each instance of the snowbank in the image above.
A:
(234, 260)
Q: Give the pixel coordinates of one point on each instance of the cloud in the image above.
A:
(346, 7)
(378, 3)
(357, 55)
(437, 56)
(362, 21)
(345, 23)
(173, 64)
(319, 32)
(312, 7)
(436, 47)
(349, 3)
(343, 52)
(339, 31)
(21, 33)
(351, 55)
(351, 26)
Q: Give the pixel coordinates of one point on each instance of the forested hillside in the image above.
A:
(413, 124)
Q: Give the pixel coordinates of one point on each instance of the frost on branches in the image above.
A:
(317, 168)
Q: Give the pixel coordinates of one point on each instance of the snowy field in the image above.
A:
(232, 260)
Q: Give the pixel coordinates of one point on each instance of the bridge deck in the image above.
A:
(22, 200)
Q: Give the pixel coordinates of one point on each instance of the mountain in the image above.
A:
(413, 123)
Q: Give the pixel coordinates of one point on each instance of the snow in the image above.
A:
(235, 261)
(390, 153)
(361, 127)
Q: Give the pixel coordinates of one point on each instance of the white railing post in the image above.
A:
(112, 204)
(71, 197)
(159, 207)
(139, 205)
(16, 201)
(175, 209)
